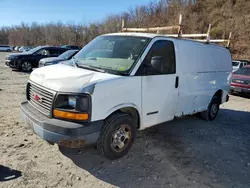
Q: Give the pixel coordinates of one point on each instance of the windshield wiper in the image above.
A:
(84, 66)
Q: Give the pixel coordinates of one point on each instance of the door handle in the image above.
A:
(177, 82)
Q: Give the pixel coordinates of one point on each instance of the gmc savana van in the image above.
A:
(123, 82)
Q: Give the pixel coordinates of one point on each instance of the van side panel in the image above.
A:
(203, 69)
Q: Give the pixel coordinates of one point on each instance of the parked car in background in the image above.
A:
(237, 64)
(72, 47)
(21, 49)
(5, 48)
(17, 48)
(241, 81)
(54, 60)
(25, 49)
(27, 60)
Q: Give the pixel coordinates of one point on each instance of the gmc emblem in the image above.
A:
(36, 97)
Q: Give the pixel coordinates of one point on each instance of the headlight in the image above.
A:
(50, 63)
(74, 107)
(13, 57)
(72, 101)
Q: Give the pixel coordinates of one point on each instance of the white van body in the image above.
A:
(202, 70)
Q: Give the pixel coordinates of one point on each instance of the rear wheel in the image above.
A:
(117, 136)
(26, 66)
(213, 108)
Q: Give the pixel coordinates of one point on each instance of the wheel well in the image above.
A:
(219, 94)
(131, 112)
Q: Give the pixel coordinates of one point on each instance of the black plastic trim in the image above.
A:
(151, 113)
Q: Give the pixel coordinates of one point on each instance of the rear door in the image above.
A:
(61, 51)
(54, 52)
(159, 89)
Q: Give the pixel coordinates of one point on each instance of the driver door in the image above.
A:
(159, 89)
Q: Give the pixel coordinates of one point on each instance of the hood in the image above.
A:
(15, 54)
(66, 78)
(19, 54)
(51, 59)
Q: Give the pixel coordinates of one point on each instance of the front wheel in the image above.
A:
(117, 136)
(26, 66)
(213, 108)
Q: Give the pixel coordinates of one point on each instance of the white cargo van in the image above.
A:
(123, 82)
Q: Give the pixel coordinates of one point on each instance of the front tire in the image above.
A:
(117, 136)
(213, 108)
(26, 66)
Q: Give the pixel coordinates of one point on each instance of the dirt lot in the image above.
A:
(186, 153)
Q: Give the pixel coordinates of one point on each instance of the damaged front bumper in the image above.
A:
(64, 133)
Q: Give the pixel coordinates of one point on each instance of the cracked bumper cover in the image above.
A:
(69, 134)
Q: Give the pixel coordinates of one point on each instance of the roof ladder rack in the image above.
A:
(204, 37)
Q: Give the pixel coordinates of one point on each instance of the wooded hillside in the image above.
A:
(224, 15)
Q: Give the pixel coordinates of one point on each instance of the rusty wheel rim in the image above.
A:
(121, 138)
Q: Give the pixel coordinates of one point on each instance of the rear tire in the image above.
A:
(26, 66)
(117, 136)
(213, 108)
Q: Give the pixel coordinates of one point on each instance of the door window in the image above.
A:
(54, 51)
(60, 51)
(164, 49)
(43, 52)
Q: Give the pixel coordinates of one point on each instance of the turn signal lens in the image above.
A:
(70, 115)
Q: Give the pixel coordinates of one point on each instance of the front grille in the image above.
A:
(40, 98)
(245, 82)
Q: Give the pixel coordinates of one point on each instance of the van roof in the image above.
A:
(153, 35)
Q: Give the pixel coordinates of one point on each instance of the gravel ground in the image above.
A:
(188, 152)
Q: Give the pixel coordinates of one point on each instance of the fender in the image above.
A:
(123, 105)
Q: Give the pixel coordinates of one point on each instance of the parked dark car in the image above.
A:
(54, 60)
(27, 60)
(241, 81)
(72, 47)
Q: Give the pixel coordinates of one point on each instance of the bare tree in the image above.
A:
(224, 15)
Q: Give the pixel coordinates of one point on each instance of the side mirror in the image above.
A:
(157, 63)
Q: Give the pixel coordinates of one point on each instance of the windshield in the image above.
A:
(33, 50)
(67, 54)
(115, 54)
(235, 63)
(243, 71)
